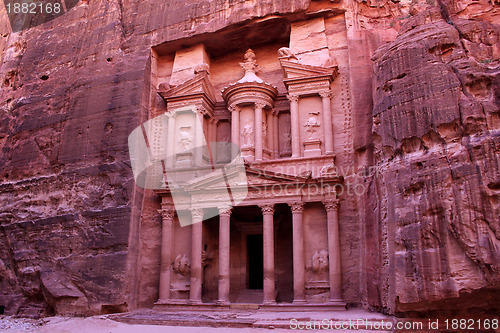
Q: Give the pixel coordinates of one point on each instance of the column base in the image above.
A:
(222, 302)
(195, 302)
(269, 302)
(299, 301)
(338, 301)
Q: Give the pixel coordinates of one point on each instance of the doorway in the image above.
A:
(255, 260)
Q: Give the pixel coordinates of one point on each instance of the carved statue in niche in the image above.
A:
(320, 261)
(185, 138)
(247, 135)
(311, 124)
(181, 265)
(264, 133)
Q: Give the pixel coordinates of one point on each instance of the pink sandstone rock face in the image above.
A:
(417, 99)
(435, 129)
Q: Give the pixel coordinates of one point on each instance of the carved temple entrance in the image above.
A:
(298, 260)
(279, 245)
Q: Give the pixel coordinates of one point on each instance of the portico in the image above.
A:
(222, 247)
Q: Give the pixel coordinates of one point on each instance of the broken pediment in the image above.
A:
(199, 84)
(295, 70)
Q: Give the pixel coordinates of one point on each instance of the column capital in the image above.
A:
(275, 112)
(267, 209)
(260, 105)
(171, 114)
(167, 213)
(225, 210)
(197, 213)
(297, 206)
(233, 108)
(331, 204)
(326, 94)
(293, 97)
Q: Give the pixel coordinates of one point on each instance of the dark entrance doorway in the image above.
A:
(255, 261)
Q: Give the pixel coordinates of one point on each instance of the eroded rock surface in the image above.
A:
(437, 148)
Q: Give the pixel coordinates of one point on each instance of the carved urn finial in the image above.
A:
(250, 67)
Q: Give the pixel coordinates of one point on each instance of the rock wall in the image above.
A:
(435, 194)
(77, 236)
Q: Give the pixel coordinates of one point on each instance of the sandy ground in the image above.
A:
(101, 324)
(104, 325)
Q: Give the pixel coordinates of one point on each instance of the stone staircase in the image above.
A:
(250, 296)
(355, 320)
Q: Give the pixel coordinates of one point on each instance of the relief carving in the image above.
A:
(182, 265)
(328, 170)
(247, 135)
(286, 52)
(320, 261)
(311, 124)
(185, 138)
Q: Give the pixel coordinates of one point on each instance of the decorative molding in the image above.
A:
(292, 98)
(167, 213)
(260, 105)
(233, 108)
(267, 209)
(297, 207)
(327, 94)
(225, 211)
(197, 213)
(331, 204)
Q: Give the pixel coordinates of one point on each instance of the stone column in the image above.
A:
(327, 120)
(171, 140)
(268, 231)
(270, 133)
(196, 254)
(213, 140)
(199, 139)
(335, 268)
(166, 252)
(224, 245)
(276, 134)
(294, 122)
(259, 108)
(235, 126)
(299, 283)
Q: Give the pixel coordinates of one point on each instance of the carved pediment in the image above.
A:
(199, 84)
(295, 70)
(217, 180)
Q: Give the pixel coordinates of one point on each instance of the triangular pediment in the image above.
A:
(253, 177)
(295, 70)
(199, 84)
